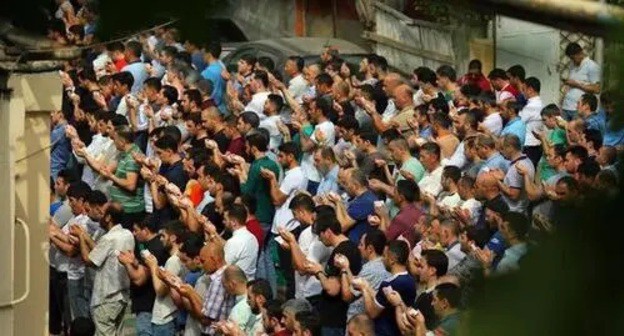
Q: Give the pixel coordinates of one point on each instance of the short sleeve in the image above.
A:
(100, 252)
(318, 252)
(594, 73)
(289, 184)
(380, 297)
(513, 179)
(359, 210)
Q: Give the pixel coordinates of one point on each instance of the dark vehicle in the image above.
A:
(307, 47)
(227, 32)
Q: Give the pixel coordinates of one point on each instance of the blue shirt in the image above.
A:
(611, 137)
(191, 279)
(497, 245)
(213, 73)
(139, 73)
(516, 127)
(329, 182)
(496, 161)
(60, 150)
(426, 132)
(405, 285)
(596, 121)
(359, 209)
(197, 59)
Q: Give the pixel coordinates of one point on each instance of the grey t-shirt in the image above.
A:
(375, 273)
(513, 179)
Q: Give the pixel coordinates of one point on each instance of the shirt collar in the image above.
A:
(394, 276)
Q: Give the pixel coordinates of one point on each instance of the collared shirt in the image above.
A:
(314, 250)
(495, 161)
(139, 73)
(413, 166)
(532, 117)
(242, 250)
(516, 127)
(74, 265)
(241, 313)
(432, 181)
(60, 150)
(374, 272)
(217, 302)
(596, 121)
(511, 258)
(132, 202)
(329, 182)
(494, 123)
(588, 72)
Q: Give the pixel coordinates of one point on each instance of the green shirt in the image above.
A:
(413, 166)
(308, 129)
(132, 202)
(555, 137)
(260, 188)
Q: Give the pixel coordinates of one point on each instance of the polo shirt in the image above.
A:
(414, 167)
(259, 187)
(516, 127)
(132, 202)
(596, 121)
(139, 73)
(588, 72)
(242, 250)
(405, 285)
(329, 182)
(532, 117)
(403, 222)
(360, 207)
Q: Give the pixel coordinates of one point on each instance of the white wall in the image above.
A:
(533, 46)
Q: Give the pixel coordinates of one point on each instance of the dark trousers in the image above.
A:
(59, 315)
(285, 265)
(534, 153)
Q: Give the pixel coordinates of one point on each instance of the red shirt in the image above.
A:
(478, 80)
(254, 227)
(120, 64)
(511, 89)
(237, 146)
(403, 223)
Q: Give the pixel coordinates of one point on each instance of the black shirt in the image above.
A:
(423, 304)
(222, 140)
(175, 174)
(333, 307)
(143, 297)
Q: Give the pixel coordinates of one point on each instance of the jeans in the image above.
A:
(568, 115)
(327, 331)
(167, 329)
(144, 324)
(78, 300)
(266, 264)
(60, 316)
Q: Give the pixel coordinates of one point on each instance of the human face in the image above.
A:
(60, 187)
(578, 58)
(299, 330)
(362, 247)
(185, 103)
(288, 320)
(549, 122)
(325, 56)
(207, 261)
(119, 142)
(284, 159)
(480, 189)
(165, 155)
(438, 305)
(423, 270)
(166, 239)
(388, 259)
(492, 218)
(243, 67)
(345, 72)
(428, 160)
(139, 233)
(571, 163)
(77, 205)
(242, 127)
(95, 212)
(563, 192)
(253, 302)
(290, 68)
(395, 152)
(552, 159)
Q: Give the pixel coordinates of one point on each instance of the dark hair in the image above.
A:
(594, 136)
(124, 78)
(377, 239)
(175, 227)
(436, 259)
(513, 141)
(274, 309)
(69, 176)
(214, 49)
(569, 181)
(475, 64)
(266, 62)
(590, 100)
(298, 61)
(409, 190)
(249, 201)
(328, 222)
(517, 71)
(149, 222)
(325, 104)
(96, 197)
(276, 100)
(448, 72)
(498, 73)
(116, 213)
(473, 117)
(82, 326)
(589, 168)
(193, 244)
(194, 96)
(426, 75)
(166, 142)
(262, 76)
(302, 201)
(170, 93)
(442, 120)
(290, 148)
(325, 79)
(432, 148)
(79, 190)
(578, 151)
(309, 320)
(238, 213)
(229, 182)
(259, 141)
(169, 51)
(573, 49)
(449, 292)
(518, 223)
(379, 62)
(550, 110)
(174, 132)
(250, 118)
(135, 48)
(153, 83)
(400, 250)
(367, 136)
(348, 122)
(471, 91)
(560, 150)
(452, 172)
(533, 83)
(261, 287)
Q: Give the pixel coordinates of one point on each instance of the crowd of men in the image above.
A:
(319, 199)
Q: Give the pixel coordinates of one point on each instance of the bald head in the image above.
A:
(235, 274)
(486, 186)
(361, 325)
(390, 82)
(487, 179)
(213, 251)
(403, 96)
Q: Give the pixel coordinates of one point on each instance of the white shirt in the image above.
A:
(164, 310)
(588, 72)
(256, 104)
(455, 255)
(418, 97)
(432, 181)
(242, 250)
(503, 95)
(389, 112)
(458, 159)
(75, 265)
(494, 123)
(294, 180)
(297, 86)
(314, 250)
(204, 202)
(532, 117)
(449, 201)
(474, 207)
(95, 149)
(275, 137)
(122, 108)
(307, 161)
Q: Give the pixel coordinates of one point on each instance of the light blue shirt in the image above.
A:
(516, 127)
(329, 182)
(496, 161)
(511, 259)
(213, 73)
(139, 73)
(60, 151)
